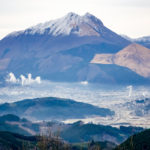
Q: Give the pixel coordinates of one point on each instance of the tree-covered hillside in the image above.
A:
(140, 141)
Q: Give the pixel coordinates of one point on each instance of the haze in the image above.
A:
(129, 17)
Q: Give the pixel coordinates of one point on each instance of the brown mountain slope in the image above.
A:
(134, 57)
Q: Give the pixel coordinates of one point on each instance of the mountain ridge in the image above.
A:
(45, 109)
(64, 25)
(134, 57)
(145, 40)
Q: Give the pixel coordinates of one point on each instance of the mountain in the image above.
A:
(61, 49)
(74, 133)
(145, 41)
(139, 141)
(8, 140)
(127, 37)
(134, 56)
(79, 132)
(15, 141)
(13, 123)
(73, 25)
(52, 108)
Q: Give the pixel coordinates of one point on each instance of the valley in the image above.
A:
(120, 99)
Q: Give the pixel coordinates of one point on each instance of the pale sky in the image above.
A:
(129, 17)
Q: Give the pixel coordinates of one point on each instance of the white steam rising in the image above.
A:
(130, 87)
(23, 80)
(84, 82)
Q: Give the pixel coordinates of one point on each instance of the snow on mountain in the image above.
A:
(140, 39)
(70, 24)
(143, 39)
(73, 24)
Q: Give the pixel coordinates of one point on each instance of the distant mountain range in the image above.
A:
(78, 132)
(73, 132)
(52, 108)
(15, 141)
(145, 41)
(62, 49)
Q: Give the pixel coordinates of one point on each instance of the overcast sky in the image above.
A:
(129, 17)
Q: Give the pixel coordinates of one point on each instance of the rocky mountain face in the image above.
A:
(134, 57)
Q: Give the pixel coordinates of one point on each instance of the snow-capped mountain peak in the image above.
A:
(72, 23)
(72, 15)
(92, 18)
